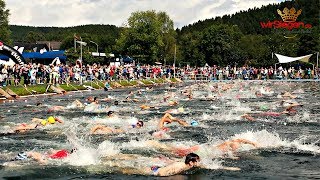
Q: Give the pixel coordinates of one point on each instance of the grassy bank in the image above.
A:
(42, 88)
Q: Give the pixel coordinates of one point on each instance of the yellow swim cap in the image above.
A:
(51, 120)
(180, 109)
(43, 122)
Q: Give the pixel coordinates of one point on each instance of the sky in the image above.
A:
(66, 13)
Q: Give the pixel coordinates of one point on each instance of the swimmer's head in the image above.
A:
(90, 99)
(139, 124)
(73, 150)
(110, 113)
(51, 120)
(43, 122)
(194, 123)
(116, 103)
(39, 103)
(192, 159)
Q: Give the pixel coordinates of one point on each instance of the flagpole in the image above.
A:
(174, 61)
(81, 49)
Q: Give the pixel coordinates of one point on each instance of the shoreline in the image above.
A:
(114, 88)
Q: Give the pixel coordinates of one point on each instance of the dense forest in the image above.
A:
(227, 40)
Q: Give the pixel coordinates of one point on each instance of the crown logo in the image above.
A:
(289, 15)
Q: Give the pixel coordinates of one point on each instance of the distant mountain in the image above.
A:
(20, 33)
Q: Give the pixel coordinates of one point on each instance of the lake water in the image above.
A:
(288, 146)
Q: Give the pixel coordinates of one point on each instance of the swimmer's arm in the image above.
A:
(58, 120)
(37, 156)
(182, 122)
(37, 120)
(247, 117)
(244, 141)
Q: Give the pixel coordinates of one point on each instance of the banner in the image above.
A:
(11, 53)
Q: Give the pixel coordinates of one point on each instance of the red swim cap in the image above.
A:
(60, 154)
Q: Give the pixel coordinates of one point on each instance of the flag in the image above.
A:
(82, 43)
(76, 37)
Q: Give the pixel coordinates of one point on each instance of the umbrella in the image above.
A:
(158, 63)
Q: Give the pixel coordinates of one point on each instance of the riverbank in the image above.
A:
(16, 92)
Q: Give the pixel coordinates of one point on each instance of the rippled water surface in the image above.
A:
(288, 146)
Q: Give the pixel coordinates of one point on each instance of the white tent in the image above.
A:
(287, 59)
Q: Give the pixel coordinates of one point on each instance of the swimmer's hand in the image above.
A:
(231, 168)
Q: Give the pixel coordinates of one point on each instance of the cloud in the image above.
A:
(64, 13)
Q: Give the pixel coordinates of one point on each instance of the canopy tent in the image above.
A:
(287, 59)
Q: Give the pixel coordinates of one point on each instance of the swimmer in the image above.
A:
(76, 104)
(36, 123)
(190, 162)
(286, 94)
(290, 111)
(234, 145)
(43, 158)
(145, 107)
(228, 146)
(50, 120)
(167, 118)
(100, 129)
(173, 103)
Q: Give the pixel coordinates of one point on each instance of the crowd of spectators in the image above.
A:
(31, 74)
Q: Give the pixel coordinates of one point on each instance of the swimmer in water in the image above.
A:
(228, 146)
(192, 160)
(36, 122)
(289, 111)
(167, 118)
(145, 107)
(76, 104)
(100, 129)
(287, 95)
(43, 158)
(175, 167)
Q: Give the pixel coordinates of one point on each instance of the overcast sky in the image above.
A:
(64, 13)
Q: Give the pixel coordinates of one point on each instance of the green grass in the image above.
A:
(158, 80)
(41, 88)
(29, 90)
(146, 82)
(173, 80)
(125, 83)
(72, 87)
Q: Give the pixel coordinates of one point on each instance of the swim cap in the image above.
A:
(180, 109)
(43, 122)
(264, 107)
(51, 120)
(21, 156)
(194, 123)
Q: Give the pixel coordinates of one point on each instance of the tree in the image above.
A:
(4, 23)
(219, 44)
(33, 37)
(149, 36)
